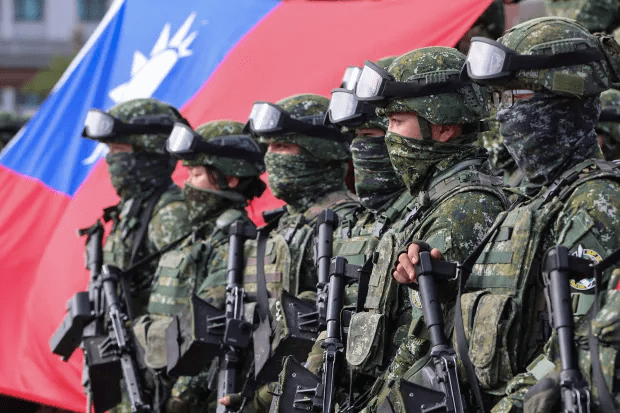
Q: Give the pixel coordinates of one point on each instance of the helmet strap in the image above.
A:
(425, 128)
(220, 178)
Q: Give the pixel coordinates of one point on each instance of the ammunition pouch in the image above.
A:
(488, 320)
(366, 342)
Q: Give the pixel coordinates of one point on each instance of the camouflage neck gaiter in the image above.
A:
(205, 204)
(376, 181)
(133, 173)
(300, 180)
(545, 136)
(416, 161)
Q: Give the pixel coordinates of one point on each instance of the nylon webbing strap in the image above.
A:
(461, 342)
(262, 297)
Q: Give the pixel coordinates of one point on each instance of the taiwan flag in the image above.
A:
(210, 58)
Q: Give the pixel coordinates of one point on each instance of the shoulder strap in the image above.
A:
(389, 216)
(145, 218)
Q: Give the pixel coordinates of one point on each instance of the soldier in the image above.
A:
(595, 15)
(382, 195)
(608, 125)
(433, 123)
(306, 162)
(216, 193)
(152, 211)
(550, 104)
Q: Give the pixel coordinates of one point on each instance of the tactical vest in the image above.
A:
(128, 240)
(367, 349)
(182, 270)
(284, 252)
(502, 313)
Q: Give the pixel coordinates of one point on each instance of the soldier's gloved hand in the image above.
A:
(405, 269)
(544, 396)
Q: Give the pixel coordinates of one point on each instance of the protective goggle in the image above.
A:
(345, 110)
(350, 78)
(376, 84)
(185, 143)
(490, 60)
(269, 119)
(102, 126)
(507, 98)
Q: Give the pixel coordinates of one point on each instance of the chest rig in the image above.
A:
(504, 310)
(182, 270)
(286, 245)
(367, 349)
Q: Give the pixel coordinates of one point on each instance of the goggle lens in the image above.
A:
(351, 76)
(264, 117)
(180, 139)
(368, 84)
(98, 124)
(342, 106)
(484, 59)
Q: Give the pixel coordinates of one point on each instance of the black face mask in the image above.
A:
(133, 173)
(546, 135)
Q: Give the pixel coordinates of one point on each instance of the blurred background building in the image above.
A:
(38, 39)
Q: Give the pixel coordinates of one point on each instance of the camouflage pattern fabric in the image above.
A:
(595, 15)
(205, 204)
(133, 173)
(610, 131)
(490, 24)
(562, 133)
(433, 64)
(415, 160)
(537, 36)
(127, 111)
(300, 179)
(375, 179)
(500, 160)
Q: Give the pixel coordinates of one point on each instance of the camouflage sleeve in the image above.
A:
(168, 223)
(588, 224)
(459, 223)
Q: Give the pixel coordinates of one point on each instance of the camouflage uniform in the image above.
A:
(451, 209)
(309, 182)
(199, 263)
(610, 131)
(595, 15)
(148, 198)
(571, 196)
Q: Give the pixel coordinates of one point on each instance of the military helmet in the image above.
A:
(434, 65)
(304, 106)
(547, 36)
(145, 111)
(385, 62)
(379, 122)
(610, 101)
(228, 166)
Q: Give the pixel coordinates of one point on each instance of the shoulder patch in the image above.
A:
(586, 283)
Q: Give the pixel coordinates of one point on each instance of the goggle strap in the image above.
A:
(609, 116)
(407, 89)
(318, 131)
(576, 57)
(227, 152)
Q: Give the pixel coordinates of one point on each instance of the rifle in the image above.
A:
(214, 333)
(85, 324)
(559, 268)
(303, 320)
(303, 390)
(441, 390)
(119, 341)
